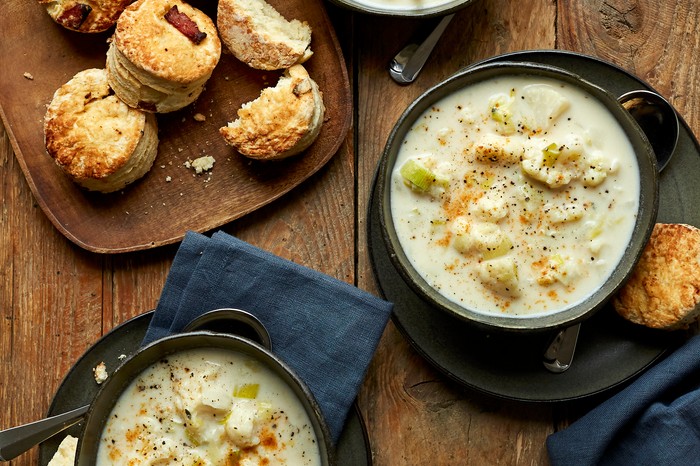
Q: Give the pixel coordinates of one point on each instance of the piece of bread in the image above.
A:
(98, 140)
(65, 455)
(258, 35)
(85, 15)
(282, 122)
(663, 291)
(162, 54)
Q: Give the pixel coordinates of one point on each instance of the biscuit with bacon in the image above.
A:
(162, 54)
(88, 16)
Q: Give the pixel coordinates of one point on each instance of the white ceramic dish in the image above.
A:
(404, 8)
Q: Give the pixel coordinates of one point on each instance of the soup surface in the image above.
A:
(399, 5)
(208, 407)
(516, 195)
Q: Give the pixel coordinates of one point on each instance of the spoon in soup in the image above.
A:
(17, 440)
(659, 121)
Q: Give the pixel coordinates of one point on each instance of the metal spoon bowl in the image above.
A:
(406, 65)
(659, 121)
(657, 118)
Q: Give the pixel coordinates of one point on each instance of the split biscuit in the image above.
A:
(282, 122)
(162, 54)
(258, 35)
(88, 16)
(101, 143)
(663, 291)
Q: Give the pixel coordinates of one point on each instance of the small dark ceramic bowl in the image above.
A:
(204, 332)
(646, 216)
(374, 7)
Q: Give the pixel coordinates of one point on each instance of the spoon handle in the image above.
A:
(17, 440)
(406, 65)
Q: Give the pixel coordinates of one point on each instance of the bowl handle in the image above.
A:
(233, 322)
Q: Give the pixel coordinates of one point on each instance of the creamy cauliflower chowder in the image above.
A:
(208, 406)
(515, 195)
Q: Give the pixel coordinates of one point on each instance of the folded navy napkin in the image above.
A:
(653, 421)
(324, 329)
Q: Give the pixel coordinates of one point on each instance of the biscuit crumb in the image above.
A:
(168, 179)
(100, 373)
(28, 75)
(199, 117)
(121, 357)
(201, 164)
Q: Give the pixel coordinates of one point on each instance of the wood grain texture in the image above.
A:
(405, 401)
(57, 299)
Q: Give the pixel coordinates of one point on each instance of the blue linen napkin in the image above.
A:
(326, 330)
(653, 421)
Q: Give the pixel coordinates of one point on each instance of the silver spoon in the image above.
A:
(659, 121)
(406, 65)
(17, 440)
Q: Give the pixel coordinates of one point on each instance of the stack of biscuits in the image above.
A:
(100, 127)
(162, 54)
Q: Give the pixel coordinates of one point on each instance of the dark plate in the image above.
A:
(610, 350)
(78, 389)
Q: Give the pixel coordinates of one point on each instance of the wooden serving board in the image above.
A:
(154, 211)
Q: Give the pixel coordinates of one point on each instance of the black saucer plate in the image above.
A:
(79, 388)
(610, 350)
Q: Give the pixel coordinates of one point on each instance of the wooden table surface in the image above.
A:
(57, 299)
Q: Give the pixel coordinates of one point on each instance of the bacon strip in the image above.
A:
(74, 17)
(185, 25)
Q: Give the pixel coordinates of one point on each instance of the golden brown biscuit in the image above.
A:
(282, 122)
(260, 36)
(85, 15)
(663, 291)
(99, 141)
(162, 54)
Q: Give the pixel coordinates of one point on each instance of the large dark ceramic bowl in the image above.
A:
(385, 8)
(205, 332)
(645, 219)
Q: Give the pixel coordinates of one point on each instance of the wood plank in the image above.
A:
(653, 40)
(414, 414)
(51, 302)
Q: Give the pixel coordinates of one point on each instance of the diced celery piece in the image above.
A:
(501, 250)
(551, 154)
(557, 260)
(500, 107)
(417, 175)
(249, 390)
